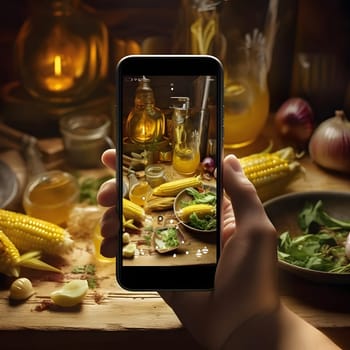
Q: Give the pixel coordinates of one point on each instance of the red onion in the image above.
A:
(330, 143)
(294, 120)
(208, 165)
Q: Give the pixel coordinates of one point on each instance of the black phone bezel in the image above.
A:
(150, 278)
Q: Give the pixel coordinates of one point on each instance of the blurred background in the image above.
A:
(310, 55)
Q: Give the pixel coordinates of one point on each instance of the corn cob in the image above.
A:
(28, 233)
(133, 211)
(172, 188)
(270, 172)
(9, 256)
(11, 261)
(159, 203)
(200, 209)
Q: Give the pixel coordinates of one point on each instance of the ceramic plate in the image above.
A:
(8, 185)
(283, 212)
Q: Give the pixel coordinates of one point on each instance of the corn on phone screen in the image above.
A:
(169, 156)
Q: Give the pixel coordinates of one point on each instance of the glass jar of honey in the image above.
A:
(51, 196)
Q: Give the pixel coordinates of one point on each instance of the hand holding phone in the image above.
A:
(169, 118)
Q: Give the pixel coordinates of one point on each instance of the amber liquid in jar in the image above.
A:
(51, 197)
(140, 192)
(186, 161)
(246, 112)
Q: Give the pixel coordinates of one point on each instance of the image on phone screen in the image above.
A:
(169, 152)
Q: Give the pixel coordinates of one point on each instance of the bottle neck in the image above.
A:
(144, 99)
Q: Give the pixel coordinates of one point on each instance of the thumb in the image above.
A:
(245, 201)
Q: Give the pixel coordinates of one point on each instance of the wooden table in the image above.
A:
(137, 320)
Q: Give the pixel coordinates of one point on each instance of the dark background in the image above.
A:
(312, 26)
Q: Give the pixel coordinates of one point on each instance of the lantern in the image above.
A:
(61, 52)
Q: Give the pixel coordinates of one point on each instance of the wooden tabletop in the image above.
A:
(111, 316)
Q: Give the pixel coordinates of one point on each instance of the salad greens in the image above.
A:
(321, 247)
(169, 237)
(207, 222)
(205, 197)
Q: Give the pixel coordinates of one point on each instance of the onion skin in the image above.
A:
(294, 121)
(329, 145)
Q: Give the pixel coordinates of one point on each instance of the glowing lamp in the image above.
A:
(61, 51)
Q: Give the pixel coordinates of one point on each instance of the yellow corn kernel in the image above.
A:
(11, 261)
(133, 211)
(200, 209)
(172, 188)
(28, 233)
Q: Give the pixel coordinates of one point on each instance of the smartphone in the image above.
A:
(169, 140)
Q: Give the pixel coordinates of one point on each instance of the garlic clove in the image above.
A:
(71, 293)
(21, 289)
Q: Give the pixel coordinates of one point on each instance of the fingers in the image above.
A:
(109, 223)
(107, 197)
(109, 247)
(109, 227)
(245, 201)
(228, 221)
(107, 193)
(108, 158)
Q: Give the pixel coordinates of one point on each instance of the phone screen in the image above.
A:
(169, 127)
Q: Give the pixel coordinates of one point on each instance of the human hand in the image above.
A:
(245, 282)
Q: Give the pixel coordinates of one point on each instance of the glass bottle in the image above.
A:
(203, 34)
(186, 155)
(61, 51)
(145, 123)
(246, 93)
(221, 28)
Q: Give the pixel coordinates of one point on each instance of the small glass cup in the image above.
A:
(85, 137)
(51, 196)
(155, 174)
